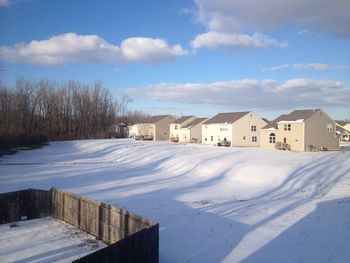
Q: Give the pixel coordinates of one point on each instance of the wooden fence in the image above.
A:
(29, 204)
(132, 238)
(106, 222)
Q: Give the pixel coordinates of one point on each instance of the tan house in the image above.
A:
(176, 126)
(301, 130)
(192, 131)
(154, 128)
(233, 129)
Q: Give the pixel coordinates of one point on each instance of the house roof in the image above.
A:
(342, 123)
(341, 129)
(266, 120)
(228, 117)
(155, 119)
(182, 119)
(293, 116)
(194, 122)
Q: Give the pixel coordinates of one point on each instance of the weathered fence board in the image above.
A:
(30, 203)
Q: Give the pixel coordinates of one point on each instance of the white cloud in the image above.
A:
(319, 66)
(251, 93)
(5, 2)
(150, 50)
(275, 68)
(236, 15)
(71, 47)
(231, 41)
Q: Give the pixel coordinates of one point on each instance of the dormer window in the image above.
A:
(288, 127)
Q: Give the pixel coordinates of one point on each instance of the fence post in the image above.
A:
(99, 222)
(79, 208)
(63, 196)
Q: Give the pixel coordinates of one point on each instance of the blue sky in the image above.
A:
(187, 57)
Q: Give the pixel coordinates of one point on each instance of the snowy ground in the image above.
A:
(45, 240)
(213, 204)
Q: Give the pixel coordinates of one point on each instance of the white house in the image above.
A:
(234, 128)
(176, 126)
(192, 131)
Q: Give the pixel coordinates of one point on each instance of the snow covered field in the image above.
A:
(213, 204)
(45, 240)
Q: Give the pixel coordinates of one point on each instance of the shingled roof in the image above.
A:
(155, 119)
(293, 116)
(194, 122)
(182, 119)
(228, 117)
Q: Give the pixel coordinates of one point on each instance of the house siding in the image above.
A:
(217, 131)
(316, 133)
(265, 138)
(196, 133)
(176, 132)
(242, 133)
(294, 137)
(163, 128)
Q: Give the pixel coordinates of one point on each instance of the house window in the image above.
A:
(287, 127)
(176, 127)
(272, 138)
(205, 139)
(211, 138)
(254, 139)
(329, 128)
(243, 137)
(253, 128)
(284, 140)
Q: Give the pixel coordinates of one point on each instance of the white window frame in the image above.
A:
(253, 128)
(329, 127)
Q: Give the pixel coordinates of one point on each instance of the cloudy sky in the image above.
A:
(187, 56)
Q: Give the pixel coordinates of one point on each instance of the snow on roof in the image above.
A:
(294, 116)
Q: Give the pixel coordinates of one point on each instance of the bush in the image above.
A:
(9, 143)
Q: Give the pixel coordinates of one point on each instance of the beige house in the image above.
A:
(176, 126)
(154, 128)
(191, 132)
(233, 128)
(301, 130)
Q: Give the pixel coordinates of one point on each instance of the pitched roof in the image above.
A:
(155, 119)
(293, 116)
(194, 122)
(182, 119)
(228, 117)
(342, 123)
(341, 129)
(273, 124)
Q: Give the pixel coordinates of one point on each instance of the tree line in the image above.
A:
(71, 110)
(35, 111)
